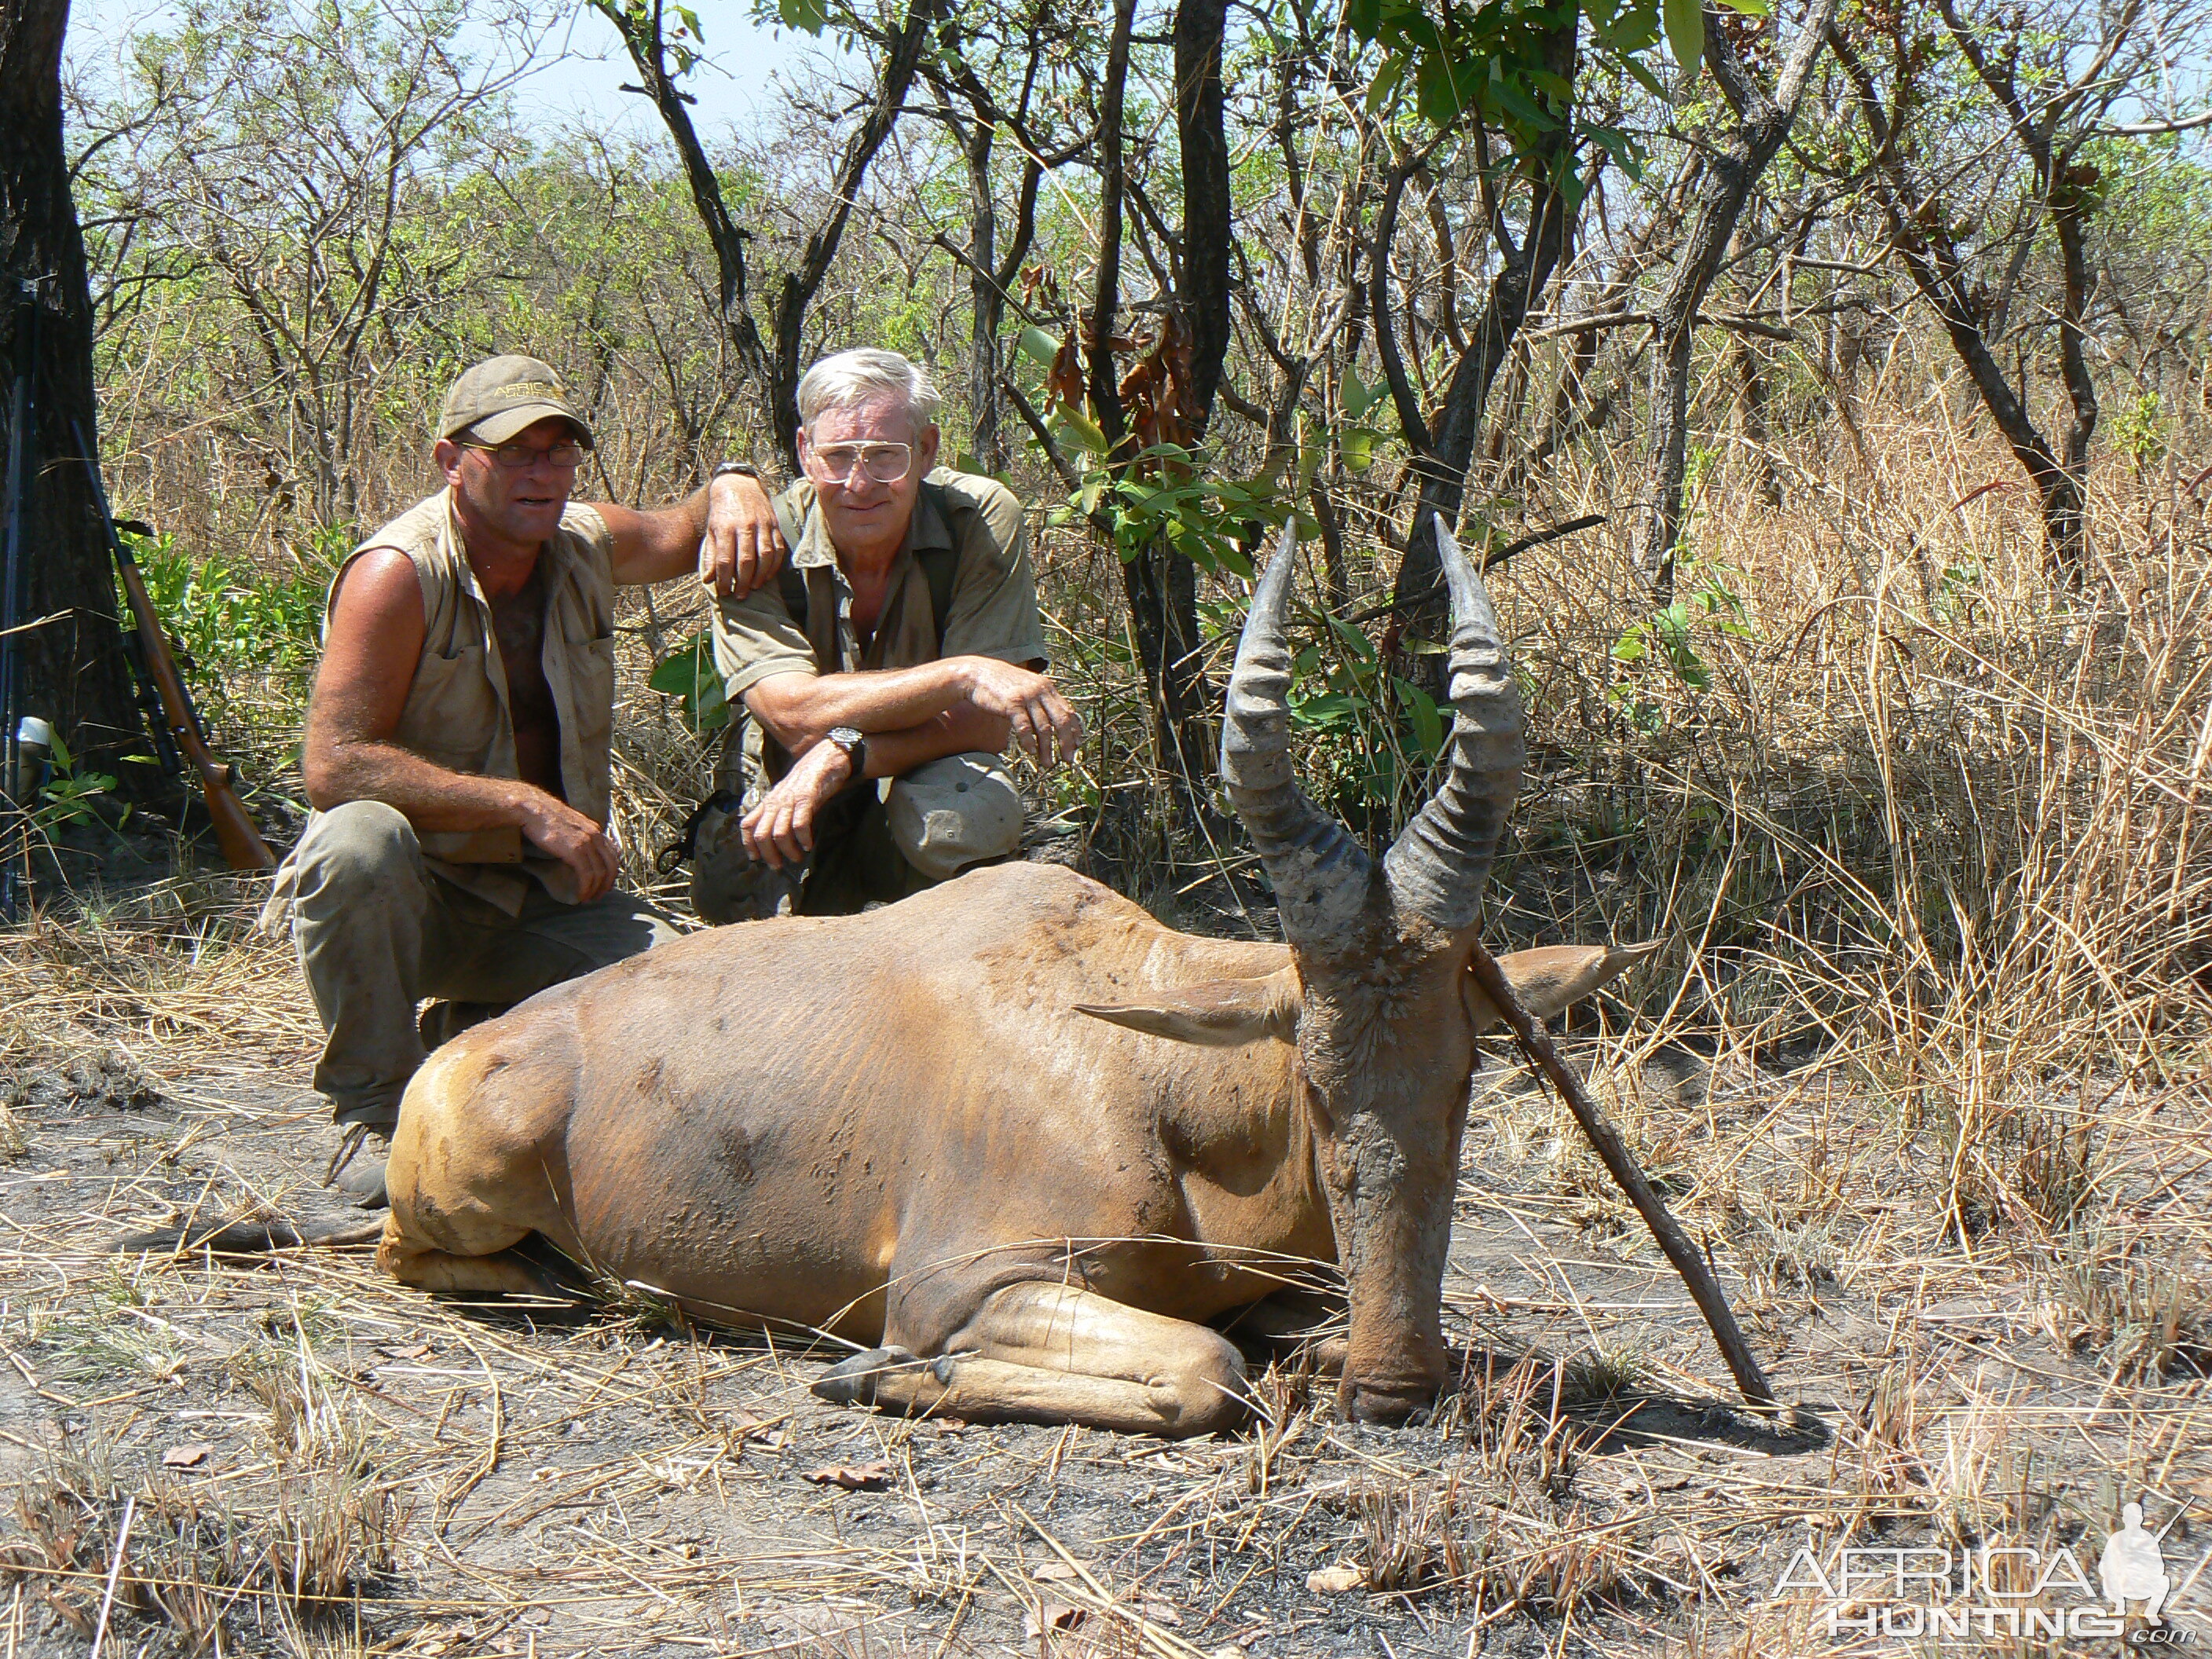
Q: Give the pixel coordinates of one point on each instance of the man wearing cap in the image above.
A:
(457, 752)
(886, 670)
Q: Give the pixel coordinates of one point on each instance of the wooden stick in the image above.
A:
(114, 1571)
(1704, 1289)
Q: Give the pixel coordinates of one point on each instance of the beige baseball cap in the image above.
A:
(503, 395)
(949, 813)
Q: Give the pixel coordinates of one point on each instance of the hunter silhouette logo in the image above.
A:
(2133, 1567)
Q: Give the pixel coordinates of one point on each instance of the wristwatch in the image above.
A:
(854, 743)
(738, 470)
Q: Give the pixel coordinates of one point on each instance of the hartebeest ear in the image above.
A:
(1553, 978)
(1220, 1013)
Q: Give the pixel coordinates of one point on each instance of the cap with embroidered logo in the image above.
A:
(503, 395)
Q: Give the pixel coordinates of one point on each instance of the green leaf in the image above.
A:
(678, 674)
(1038, 346)
(1086, 429)
(1686, 34)
(689, 675)
(1428, 723)
(1380, 89)
(812, 16)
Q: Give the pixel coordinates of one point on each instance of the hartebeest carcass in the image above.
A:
(1013, 1134)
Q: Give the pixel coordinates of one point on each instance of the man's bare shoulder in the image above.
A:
(377, 588)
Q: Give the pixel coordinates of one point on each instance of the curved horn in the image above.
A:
(1322, 878)
(1437, 867)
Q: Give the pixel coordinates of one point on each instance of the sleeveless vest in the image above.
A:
(456, 714)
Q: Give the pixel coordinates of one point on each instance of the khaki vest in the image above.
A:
(456, 714)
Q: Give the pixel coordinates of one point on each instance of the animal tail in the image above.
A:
(249, 1235)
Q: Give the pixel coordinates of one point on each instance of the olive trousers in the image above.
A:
(378, 931)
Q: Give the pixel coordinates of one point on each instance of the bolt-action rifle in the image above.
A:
(241, 844)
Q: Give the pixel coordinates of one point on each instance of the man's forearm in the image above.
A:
(798, 708)
(960, 731)
(430, 797)
(668, 537)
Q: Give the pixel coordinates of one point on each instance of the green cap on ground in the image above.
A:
(503, 395)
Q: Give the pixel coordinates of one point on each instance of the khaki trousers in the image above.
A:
(378, 931)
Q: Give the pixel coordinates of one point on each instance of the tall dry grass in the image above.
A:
(1935, 819)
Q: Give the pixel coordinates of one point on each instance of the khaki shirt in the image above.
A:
(456, 714)
(994, 602)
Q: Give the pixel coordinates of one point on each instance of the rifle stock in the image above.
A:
(241, 844)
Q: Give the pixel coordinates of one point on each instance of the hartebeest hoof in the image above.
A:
(1386, 1408)
(852, 1381)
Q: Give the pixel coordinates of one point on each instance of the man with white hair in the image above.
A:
(888, 669)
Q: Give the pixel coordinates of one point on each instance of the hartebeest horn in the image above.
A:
(1322, 878)
(1437, 867)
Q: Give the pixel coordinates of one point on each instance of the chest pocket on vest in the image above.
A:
(452, 714)
(592, 667)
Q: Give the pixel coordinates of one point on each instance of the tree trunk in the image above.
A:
(987, 303)
(71, 668)
(642, 39)
(1920, 236)
(775, 372)
(1443, 456)
(1732, 166)
(1208, 235)
(1751, 422)
(1160, 584)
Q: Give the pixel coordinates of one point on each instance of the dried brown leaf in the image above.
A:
(853, 1477)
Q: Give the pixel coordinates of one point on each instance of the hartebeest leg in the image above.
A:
(1292, 1319)
(461, 1183)
(1051, 1353)
(500, 1272)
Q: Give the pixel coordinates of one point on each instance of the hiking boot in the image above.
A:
(727, 883)
(440, 1023)
(356, 1169)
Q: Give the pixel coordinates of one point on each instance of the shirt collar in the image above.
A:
(926, 529)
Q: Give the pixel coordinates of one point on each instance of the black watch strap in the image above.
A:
(854, 743)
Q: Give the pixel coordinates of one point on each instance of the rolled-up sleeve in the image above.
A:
(994, 602)
(755, 638)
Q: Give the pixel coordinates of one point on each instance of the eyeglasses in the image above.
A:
(886, 464)
(515, 458)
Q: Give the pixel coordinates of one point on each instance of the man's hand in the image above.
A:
(554, 827)
(780, 829)
(1043, 722)
(743, 547)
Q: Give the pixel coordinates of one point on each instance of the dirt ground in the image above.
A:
(305, 1458)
